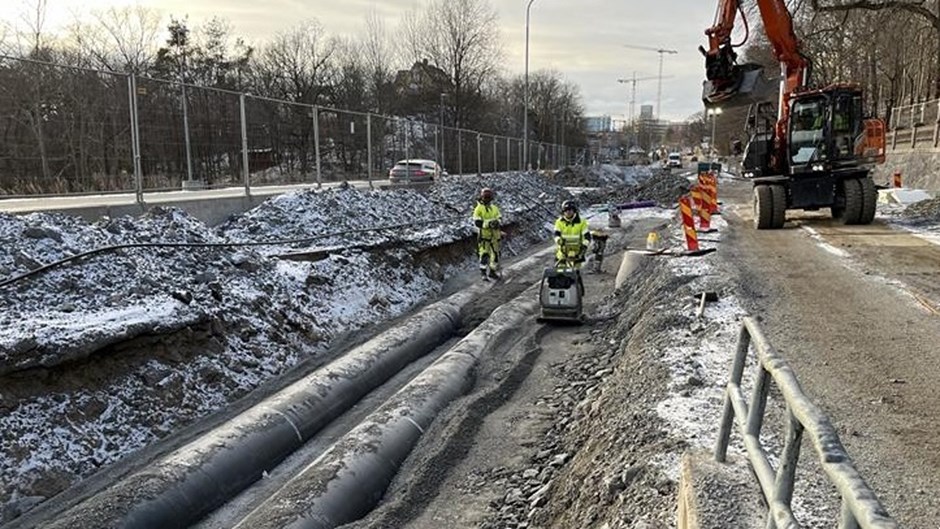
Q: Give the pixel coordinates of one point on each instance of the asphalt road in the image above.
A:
(854, 310)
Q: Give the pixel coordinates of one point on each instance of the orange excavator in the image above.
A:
(809, 147)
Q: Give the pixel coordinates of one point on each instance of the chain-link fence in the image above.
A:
(63, 130)
(68, 130)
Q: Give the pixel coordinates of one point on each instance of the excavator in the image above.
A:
(809, 147)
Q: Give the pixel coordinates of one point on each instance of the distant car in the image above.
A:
(674, 160)
(414, 171)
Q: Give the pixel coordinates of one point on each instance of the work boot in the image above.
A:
(483, 275)
(494, 274)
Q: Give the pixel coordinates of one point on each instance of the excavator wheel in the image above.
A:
(854, 203)
(763, 207)
(869, 200)
(778, 208)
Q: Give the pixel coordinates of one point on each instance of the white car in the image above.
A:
(414, 171)
(674, 160)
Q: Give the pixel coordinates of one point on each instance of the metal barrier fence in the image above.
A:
(69, 130)
(860, 507)
(914, 127)
(918, 114)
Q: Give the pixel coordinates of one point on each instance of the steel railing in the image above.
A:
(914, 127)
(860, 507)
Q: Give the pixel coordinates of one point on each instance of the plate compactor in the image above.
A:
(561, 295)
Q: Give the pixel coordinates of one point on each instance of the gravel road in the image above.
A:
(848, 307)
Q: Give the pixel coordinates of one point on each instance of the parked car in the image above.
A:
(407, 171)
(674, 160)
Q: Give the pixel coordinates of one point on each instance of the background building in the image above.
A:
(597, 124)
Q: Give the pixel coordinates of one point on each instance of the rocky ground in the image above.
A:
(108, 351)
(578, 427)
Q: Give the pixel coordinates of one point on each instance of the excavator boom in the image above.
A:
(730, 84)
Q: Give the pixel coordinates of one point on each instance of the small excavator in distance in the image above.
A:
(815, 149)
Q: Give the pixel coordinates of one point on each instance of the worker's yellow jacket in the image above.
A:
(572, 236)
(483, 217)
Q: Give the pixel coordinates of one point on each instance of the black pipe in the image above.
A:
(348, 480)
(184, 486)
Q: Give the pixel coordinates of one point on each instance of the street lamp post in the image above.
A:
(714, 113)
(443, 134)
(525, 113)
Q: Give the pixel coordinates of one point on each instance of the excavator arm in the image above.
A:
(731, 84)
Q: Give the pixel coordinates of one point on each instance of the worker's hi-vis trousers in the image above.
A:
(488, 250)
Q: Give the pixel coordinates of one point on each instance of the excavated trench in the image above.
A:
(133, 357)
(113, 495)
(178, 488)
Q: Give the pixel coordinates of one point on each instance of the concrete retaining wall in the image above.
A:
(212, 211)
(919, 169)
(716, 495)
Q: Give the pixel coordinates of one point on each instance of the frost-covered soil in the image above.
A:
(651, 391)
(106, 354)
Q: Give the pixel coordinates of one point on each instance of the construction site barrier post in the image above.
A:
(688, 224)
(705, 212)
(697, 197)
(713, 188)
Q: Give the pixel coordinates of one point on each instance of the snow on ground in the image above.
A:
(108, 353)
(164, 336)
(700, 360)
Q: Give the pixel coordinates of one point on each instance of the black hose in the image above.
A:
(107, 249)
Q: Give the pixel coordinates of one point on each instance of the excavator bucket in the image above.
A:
(746, 85)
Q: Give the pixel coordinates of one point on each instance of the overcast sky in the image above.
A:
(583, 39)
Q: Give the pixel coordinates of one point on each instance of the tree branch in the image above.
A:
(915, 7)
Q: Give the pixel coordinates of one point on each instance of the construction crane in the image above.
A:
(633, 81)
(661, 52)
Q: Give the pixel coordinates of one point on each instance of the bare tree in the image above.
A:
(926, 10)
(378, 58)
(461, 37)
(297, 65)
(35, 18)
(409, 38)
(124, 38)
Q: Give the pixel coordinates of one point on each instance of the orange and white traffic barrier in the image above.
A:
(705, 212)
(688, 224)
(897, 178)
(697, 197)
(712, 186)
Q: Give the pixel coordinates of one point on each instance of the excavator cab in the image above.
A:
(828, 131)
(758, 153)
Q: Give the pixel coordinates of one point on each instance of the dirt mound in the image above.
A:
(923, 211)
(596, 467)
(593, 176)
(661, 187)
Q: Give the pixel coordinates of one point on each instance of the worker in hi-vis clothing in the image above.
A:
(571, 235)
(486, 218)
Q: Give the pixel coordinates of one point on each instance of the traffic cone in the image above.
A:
(688, 224)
